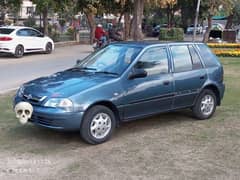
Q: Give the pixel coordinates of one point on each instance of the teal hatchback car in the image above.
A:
(122, 82)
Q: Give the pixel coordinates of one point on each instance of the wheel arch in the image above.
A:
(109, 105)
(215, 90)
(50, 43)
(20, 44)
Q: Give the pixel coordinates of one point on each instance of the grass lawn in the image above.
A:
(165, 146)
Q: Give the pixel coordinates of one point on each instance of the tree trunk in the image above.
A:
(137, 20)
(92, 25)
(40, 21)
(127, 22)
(168, 16)
(2, 17)
(45, 21)
(206, 35)
(229, 22)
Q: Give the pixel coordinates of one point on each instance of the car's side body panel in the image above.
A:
(131, 98)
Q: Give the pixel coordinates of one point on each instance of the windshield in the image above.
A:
(6, 31)
(113, 59)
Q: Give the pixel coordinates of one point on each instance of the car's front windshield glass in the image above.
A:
(113, 59)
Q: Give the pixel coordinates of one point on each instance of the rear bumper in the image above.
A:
(7, 48)
(222, 90)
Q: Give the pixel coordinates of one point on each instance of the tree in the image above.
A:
(138, 14)
(8, 6)
(44, 7)
(90, 9)
(213, 6)
(234, 16)
(187, 8)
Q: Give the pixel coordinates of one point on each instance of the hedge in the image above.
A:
(227, 52)
(172, 34)
(223, 45)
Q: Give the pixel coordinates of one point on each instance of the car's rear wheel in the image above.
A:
(48, 48)
(205, 105)
(19, 51)
(98, 125)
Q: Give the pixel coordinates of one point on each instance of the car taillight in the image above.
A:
(5, 38)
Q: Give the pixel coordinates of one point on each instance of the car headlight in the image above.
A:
(63, 103)
(21, 91)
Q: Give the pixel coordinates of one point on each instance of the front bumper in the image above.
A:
(54, 118)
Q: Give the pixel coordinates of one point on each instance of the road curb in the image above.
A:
(66, 43)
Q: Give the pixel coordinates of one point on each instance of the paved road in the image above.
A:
(14, 72)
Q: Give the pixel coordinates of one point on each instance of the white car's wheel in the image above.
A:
(48, 48)
(19, 51)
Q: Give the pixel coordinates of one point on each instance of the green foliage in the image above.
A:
(70, 31)
(236, 13)
(173, 34)
(30, 22)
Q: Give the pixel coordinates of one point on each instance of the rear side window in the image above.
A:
(6, 31)
(23, 32)
(209, 59)
(196, 62)
(34, 33)
(181, 58)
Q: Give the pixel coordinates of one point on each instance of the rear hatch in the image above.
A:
(5, 34)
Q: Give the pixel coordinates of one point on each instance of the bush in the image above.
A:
(172, 34)
(223, 45)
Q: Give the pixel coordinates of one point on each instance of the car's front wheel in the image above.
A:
(48, 48)
(98, 124)
(19, 51)
(205, 105)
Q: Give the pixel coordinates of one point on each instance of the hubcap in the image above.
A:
(19, 51)
(207, 105)
(49, 47)
(100, 125)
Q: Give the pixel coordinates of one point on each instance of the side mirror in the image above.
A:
(41, 35)
(137, 73)
(78, 61)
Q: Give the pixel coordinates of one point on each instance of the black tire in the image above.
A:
(19, 51)
(200, 106)
(48, 48)
(89, 120)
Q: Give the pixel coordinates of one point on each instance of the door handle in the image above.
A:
(166, 83)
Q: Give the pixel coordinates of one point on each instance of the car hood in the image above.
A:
(64, 84)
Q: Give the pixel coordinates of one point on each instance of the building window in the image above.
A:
(30, 10)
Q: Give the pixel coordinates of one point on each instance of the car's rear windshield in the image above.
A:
(6, 30)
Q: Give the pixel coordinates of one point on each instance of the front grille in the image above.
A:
(33, 99)
(41, 120)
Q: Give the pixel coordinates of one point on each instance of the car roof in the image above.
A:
(15, 27)
(152, 43)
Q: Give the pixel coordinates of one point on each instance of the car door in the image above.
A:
(189, 75)
(153, 93)
(38, 40)
(24, 38)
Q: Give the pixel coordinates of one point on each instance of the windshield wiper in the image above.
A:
(87, 68)
(107, 72)
(82, 69)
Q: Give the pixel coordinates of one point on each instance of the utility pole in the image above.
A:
(196, 20)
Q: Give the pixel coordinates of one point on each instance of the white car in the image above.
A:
(18, 40)
(199, 29)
